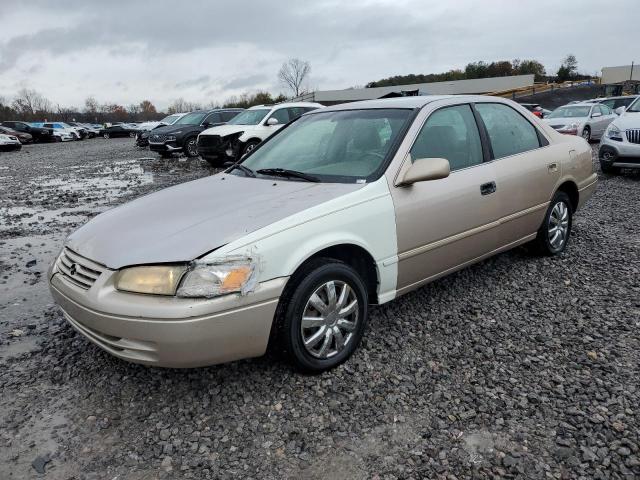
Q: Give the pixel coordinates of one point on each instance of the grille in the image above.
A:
(633, 135)
(78, 270)
(209, 140)
(157, 138)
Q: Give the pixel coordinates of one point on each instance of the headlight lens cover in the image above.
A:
(152, 279)
(211, 278)
(170, 138)
(614, 132)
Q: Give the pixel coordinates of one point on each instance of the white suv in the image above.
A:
(620, 144)
(243, 133)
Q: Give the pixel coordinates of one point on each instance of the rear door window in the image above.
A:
(509, 132)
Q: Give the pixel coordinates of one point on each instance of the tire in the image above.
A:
(249, 146)
(215, 162)
(190, 147)
(609, 169)
(106, 135)
(559, 213)
(342, 331)
(586, 133)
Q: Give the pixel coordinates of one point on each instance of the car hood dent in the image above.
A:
(184, 222)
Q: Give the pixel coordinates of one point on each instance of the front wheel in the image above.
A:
(554, 232)
(249, 147)
(322, 315)
(191, 147)
(586, 133)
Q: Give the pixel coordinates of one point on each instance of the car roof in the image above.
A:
(414, 102)
(286, 105)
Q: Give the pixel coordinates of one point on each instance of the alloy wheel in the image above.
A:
(558, 225)
(192, 148)
(329, 319)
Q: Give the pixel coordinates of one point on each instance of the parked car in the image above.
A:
(9, 143)
(89, 132)
(615, 103)
(245, 132)
(534, 108)
(183, 134)
(586, 119)
(119, 130)
(64, 136)
(76, 132)
(620, 145)
(22, 136)
(142, 137)
(350, 205)
(39, 134)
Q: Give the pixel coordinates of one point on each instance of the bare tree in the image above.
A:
(31, 104)
(293, 73)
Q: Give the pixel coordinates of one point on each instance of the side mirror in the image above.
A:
(207, 125)
(272, 121)
(620, 110)
(596, 114)
(424, 169)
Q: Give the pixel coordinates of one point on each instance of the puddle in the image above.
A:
(17, 348)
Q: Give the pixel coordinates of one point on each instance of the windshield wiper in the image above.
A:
(283, 172)
(246, 170)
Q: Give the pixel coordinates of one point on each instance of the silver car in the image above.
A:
(588, 120)
(620, 145)
(345, 207)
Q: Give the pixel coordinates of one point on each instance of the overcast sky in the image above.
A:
(127, 51)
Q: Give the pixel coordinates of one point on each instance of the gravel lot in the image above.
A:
(519, 367)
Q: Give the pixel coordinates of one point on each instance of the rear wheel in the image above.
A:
(554, 232)
(322, 315)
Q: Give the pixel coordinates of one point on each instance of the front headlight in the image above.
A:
(211, 278)
(170, 138)
(569, 128)
(613, 132)
(153, 279)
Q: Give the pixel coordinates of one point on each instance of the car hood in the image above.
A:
(173, 129)
(184, 222)
(224, 130)
(628, 120)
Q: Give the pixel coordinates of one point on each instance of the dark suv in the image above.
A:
(39, 134)
(182, 136)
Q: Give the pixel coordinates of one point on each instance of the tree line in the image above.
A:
(30, 105)
(501, 68)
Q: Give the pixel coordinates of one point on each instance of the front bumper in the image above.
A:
(164, 147)
(169, 331)
(214, 147)
(619, 154)
(9, 147)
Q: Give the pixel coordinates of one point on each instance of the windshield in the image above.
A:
(249, 117)
(193, 118)
(570, 112)
(343, 146)
(635, 106)
(169, 119)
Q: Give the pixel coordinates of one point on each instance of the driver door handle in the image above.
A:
(488, 188)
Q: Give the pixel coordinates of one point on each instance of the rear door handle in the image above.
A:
(488, 188)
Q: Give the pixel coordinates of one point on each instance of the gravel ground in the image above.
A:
(518, 367)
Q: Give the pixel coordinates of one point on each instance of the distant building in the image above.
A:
(622, 79)
(474, 86)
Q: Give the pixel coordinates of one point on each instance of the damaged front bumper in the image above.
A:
(169, 331)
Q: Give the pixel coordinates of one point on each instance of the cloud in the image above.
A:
(207, 51)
